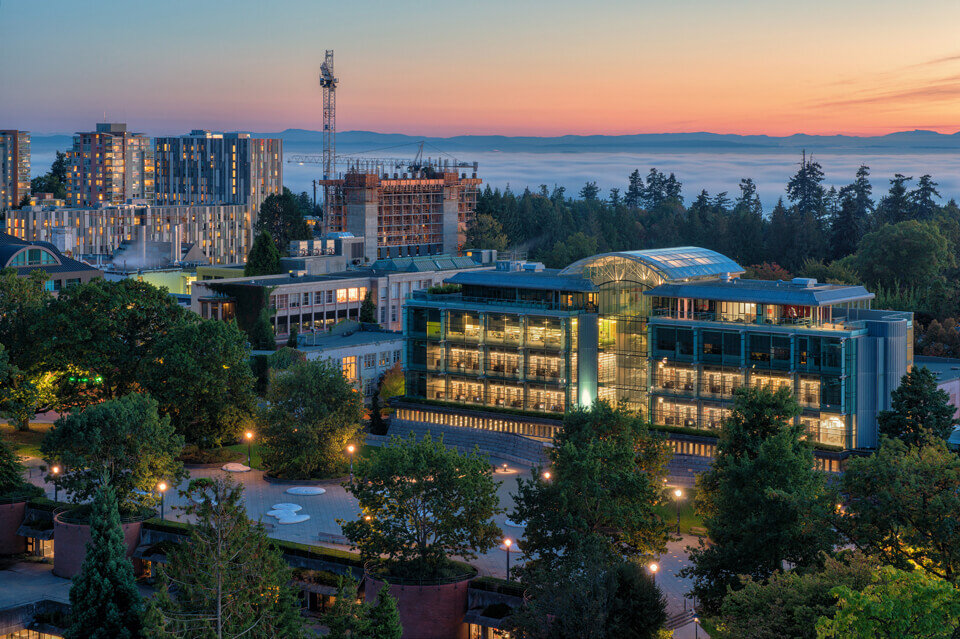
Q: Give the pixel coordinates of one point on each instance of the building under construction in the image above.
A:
(424, 212)
(400, 208)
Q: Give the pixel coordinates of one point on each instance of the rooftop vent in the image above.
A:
(533, 266)
(804, 282)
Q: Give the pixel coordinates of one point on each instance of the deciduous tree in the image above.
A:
(122, 443)
(422, 503)
(312, 413)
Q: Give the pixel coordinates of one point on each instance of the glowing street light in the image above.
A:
(506, 544)
(546, 475)
(56, 471)
(162, 488)
(696, 628)
(653, 568)
(249, 437)
(678, 494)
(350, 450)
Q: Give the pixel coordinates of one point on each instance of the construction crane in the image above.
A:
(328, 82)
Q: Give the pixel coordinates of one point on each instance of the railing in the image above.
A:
(838, 323)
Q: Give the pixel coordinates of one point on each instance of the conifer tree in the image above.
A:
(229, 578)
(264, 258)
(261, 334)
(104, 599)
(11, 472)
(347, 619)
(918, 409)
(368, 309)
(384, 616)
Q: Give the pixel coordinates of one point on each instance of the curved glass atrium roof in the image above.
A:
(654, 266)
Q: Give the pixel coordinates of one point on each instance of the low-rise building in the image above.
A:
(671, 333)
(363, 352)
(26, 257)
(315, 303)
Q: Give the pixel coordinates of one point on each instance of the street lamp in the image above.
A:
(653, 571)
(249, 436)
(696, 628)
(506, 544)
(56, 471)
(350, 449)
(162, 488)
(678, 494)
(546, 475)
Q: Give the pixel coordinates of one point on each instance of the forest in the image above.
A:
(903, 244)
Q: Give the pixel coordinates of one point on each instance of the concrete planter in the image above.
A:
(70, 544)
(11, 516)
(427, 611)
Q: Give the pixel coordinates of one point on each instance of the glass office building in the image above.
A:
(671, 333)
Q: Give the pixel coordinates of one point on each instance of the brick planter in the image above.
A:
(11, 516)
(70, 544)
(429, 611)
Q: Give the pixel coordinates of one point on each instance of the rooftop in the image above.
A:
(11, 245)
(798, 292)
(945, 368)
(674, 263)
(548, 279)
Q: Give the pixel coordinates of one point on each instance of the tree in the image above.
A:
(12, 482)
(312, 413)
(805, 188)
(391, 385)
(384, 616)
(420, 504)
(347, 618)
(897, 605)
(768, 271)
(634, 193)
(264, 258)
(486, 232)
(368, 309)
(922, 198)
(229, 577)
(203, 381)
(606, 482)
(918, 409)
(53, 181)
(900, 506)
(122, 443)
(261, 335)
(292, 341)
(104, 600)
(28, 374)
(588, 595)
(109, 331)
(789, 603)
(762, 501)
(590, 191)
(908, 253)
(895, 206)
(282, 219)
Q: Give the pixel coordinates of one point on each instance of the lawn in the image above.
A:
(255, 460)
(688, 518)
(24, 444)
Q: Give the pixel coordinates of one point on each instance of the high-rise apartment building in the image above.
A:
(14, 167)
(218, 168)
(110, 166)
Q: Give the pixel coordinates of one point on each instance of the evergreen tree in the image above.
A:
(615, 198)
(486, 232)
(292, 338)
(11, 472)
(261, 334)
(918, 409)
(634, 193)
(384, 617)
(368, 309)
(229, 578)
(53, 181)
(590, 191)
(264, 258)
(760, 500)
(104, 599)
(922, 198)
(281, 217)
(347, 618)
(895, 206)
(805, 189)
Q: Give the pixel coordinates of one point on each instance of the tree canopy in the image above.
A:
(121, 443)
(312, 413)
(264, 258)
(918, 409)
(422, 503)
(281, 216)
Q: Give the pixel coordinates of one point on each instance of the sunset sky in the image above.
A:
(494, 67)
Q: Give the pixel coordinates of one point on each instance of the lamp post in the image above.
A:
(506, 544)
(696, 628)
(546, 475)
(350, 449)
(249, 436)
(653, 571)
(162, 488)
(678, 494)
(56, 471)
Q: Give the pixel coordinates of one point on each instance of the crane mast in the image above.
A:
(329, 84)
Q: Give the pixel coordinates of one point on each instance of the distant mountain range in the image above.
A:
(306, 141)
